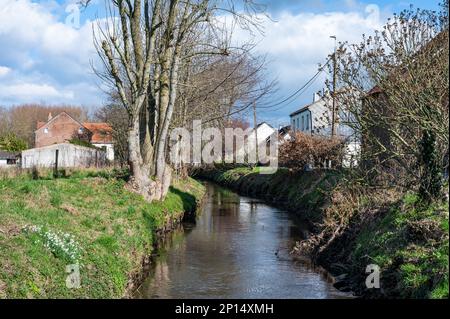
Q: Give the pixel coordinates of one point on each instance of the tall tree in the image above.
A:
(402, 72)
(142, 48)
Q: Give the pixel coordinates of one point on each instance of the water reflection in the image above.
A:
(238, 248)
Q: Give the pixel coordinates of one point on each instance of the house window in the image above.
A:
(80, 130)
(46, 130)
(307, 121)
(303, 123)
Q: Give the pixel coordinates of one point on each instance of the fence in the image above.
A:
(63, 155)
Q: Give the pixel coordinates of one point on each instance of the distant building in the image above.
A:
(263, 131)
(63, 128)
(8, 158)
(316, 118)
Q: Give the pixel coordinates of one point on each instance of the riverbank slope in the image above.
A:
(87, 218)
(353, 227)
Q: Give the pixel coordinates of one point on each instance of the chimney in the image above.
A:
(49, 116)
(316, 97)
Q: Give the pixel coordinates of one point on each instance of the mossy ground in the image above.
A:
(114, 228)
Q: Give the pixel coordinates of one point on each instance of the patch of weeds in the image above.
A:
(108, 242)
(412, 276)
(26, 189)
(131, 211)
(88, 223)
(55, 199)
(441, 291)
(410, 199)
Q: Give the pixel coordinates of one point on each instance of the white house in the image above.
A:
(264, 132)
(316, 118)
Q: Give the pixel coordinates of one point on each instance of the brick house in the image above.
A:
(62, 128)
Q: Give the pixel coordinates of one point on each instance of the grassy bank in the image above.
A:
(355, 226)
(407, 240)
(89, 218)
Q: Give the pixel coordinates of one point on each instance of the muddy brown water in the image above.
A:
(238, 248)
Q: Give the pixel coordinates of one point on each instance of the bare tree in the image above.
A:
(402, 73)
(142, 48)
(115, 115)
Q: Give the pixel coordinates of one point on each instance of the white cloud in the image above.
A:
(49, 58)
(27, 91)
(4, 70)
(43, 58)
(296, 43)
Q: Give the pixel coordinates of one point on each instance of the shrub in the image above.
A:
(305, 149)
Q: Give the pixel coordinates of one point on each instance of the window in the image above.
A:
(307, 121)
(80, 130)
(46, 130)
(303, 123)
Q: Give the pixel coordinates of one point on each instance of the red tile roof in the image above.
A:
(101, 132)
(40, 124)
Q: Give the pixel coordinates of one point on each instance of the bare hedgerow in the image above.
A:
(303, 149)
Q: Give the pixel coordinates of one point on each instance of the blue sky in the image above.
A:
(46, 57)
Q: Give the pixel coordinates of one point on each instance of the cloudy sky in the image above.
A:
(46, 55)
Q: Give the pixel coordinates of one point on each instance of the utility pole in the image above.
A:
(255, 124)
(333, 114)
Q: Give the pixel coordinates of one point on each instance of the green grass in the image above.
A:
(410, 244)
(114, 228)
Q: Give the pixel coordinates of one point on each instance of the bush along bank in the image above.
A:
(354, 226)
(89, 219)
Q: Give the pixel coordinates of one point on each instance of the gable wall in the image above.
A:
(60, 130)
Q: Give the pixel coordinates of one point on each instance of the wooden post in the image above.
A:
(55, 171)
(255, 124)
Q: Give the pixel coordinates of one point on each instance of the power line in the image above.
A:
(305, 87)
(293, 95)
(298, 92)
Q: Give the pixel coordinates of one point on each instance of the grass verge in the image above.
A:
(89, 218)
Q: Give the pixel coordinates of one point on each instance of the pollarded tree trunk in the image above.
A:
(140, 181)
(168, 93)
